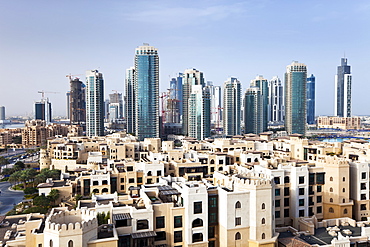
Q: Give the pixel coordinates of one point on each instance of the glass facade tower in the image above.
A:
(343, 84)
(276, 101)
(94, 103)
(146, 92)
(253, 111)
(311, 99)
(262, 84)
(232, 107)
(295, 98)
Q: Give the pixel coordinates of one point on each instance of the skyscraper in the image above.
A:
(94, 103)
(116, 98)
(262, 84)
(43, 110)
(276, 101)
(173, 102)
(130, 111)
(253, 111)
(2, 113)
(146, 89)
(216, 107)
(77, 102)
(232, 107)
(311, 99)
(199, 112)
(295, 98)
(343, 84)
(191, 78)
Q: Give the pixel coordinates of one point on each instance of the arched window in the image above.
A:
(345, 211)
(70, 243)
(344, 200)
(238, 236)
(95, 191)
(331, 179)
(286, 180)
(331, 210)
(263, 206)
(344, 179)
(149, 173)
(105, 190)
(331, 189)
(212, 162)
(344, 190)
(220, 168)
(331, 200)
(263, 221)
(238, 204)
(197, 223)
(263, 236)
(51, 243)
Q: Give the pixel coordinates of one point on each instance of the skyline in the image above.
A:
(44, 42)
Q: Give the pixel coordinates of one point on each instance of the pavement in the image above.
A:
(8, 197)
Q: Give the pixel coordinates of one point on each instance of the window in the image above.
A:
(159, 222)
(344, 179)
(277, 192)
(212, 201)
(211, 232)
(320, 178)
(238, 221)
(142, 224)
(310, 211)
(122, 187)
(363, 207)
(197, 207)
(263, 236)
(331, 189)
(301, 191)
(363, 186)
(363, 175)
(238, 236)
(212, 218)
(363, 196)
(286, 212)
(70, 243)
(122, 180)
(286, 180)
(131, 180)
(197, 237)
(160, 236)
(286, 202)
(197, 223)
(177, 236)
(277, 214)
(277, 180)
(345, 211)
(149, 181)
(319, 210)
(277, 203)
(159, 173)
(95, 182)
(263, 206)
(331, 199)
(286, 191)
(178, 221)
(51, 243)
(344, 190)
(331, 179)
(311, 178)
(139, 180)
(318, 188)
(212, 243)
(105, 182)
(130, 168)
(263, 221)
(318, 199)
(301, 180)
(301, 213)
(238, 204)
(301, 202)
(331, 210)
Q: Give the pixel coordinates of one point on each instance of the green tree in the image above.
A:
(15, 177)
(7, 171)
(19, 166)
(41, 201)
(53, 196)
(30, 190)
(3, 161)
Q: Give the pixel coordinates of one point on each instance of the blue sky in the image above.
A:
(43, 41)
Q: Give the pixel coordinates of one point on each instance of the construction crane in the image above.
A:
(70, 76)
(44, 92)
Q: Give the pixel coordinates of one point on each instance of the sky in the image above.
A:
(43, 41)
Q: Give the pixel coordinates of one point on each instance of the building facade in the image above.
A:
(116, 98)
(94, 103)
(130, 105)
(2, 113)
(253, 111)
(262, 84)
(232, 107)
(146, 92)
(77, 102)
(310, 99)
(343, 85)
(43, 110)
(295, 98)
(276, 101)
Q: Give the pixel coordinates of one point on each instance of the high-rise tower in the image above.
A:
(130, 111)
(276, 101)
(146, 91)
(191, 78)
(232, 107)
(253, 111)
(43, 110)
(94, 103)
(343, 84)
(117, 101)
(2, 113)
(77, 102)
(311, 99)
(295, 98)
(262, 84)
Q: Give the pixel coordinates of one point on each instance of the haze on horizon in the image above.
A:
(43, 41)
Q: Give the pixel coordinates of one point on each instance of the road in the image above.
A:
(8, 198)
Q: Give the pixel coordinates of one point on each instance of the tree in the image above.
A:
(19, 166)
(15, 177)
(53, 195)
(7, 171)
(41, 201)
(3, 161)
(30, 190)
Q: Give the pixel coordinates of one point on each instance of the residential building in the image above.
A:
(344, 123)
(262, 84)
(130, 110)
(77, 102)
(310, 94)
(94, 103)
(146, 92)
(295, 98)
(343, 88)
(216, 107)
(232, 107)
(116, 98)
(191, 77)
(276, 101)
(253, 111)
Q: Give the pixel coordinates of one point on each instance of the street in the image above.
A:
(8, 198)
